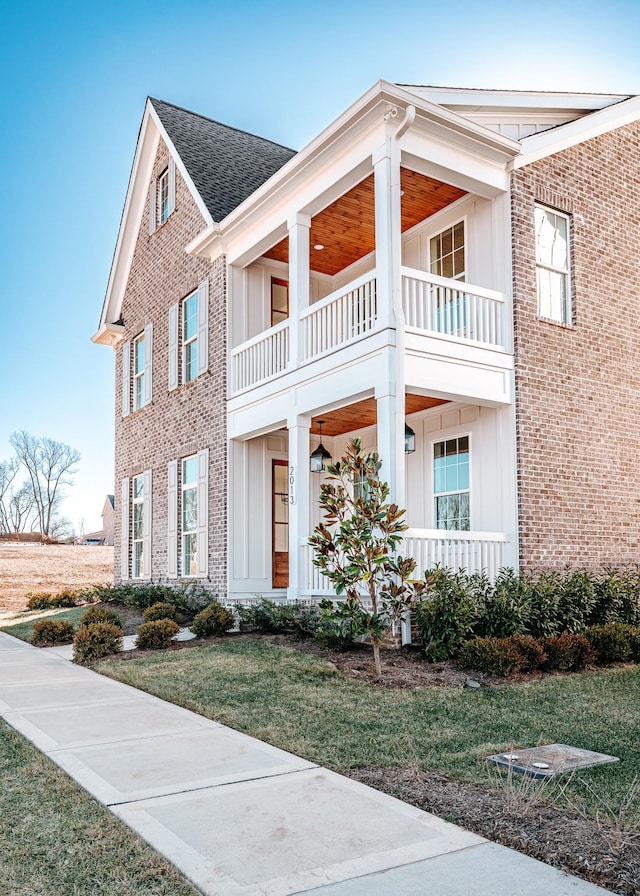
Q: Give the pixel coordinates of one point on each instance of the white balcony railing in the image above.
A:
(469, 551)
(342, 317)
(451, 308)
(261, 358)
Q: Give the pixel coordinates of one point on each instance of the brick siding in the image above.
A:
(193, 416)
(578, 385)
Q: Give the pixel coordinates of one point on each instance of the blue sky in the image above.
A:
(74, 79)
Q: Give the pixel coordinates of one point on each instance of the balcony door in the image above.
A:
(279, 524)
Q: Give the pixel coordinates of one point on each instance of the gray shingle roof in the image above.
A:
(225, 164)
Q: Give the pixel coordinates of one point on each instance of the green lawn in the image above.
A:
(23, 630)
(298, 702)
(55, 840)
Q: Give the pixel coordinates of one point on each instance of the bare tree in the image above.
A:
(8, 472)
(22, 515)
(49, 465)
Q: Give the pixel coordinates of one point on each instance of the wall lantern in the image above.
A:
(409, 440)
(320, 458)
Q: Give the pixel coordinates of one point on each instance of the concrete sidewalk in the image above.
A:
(237, 816)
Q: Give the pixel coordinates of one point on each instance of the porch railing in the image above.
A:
(342, 317)
(469, 551)
(451, 308)
(260, 358)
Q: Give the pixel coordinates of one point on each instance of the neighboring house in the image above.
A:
(451, 275)
(108, 520)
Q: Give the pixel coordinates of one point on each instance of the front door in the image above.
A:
(280, 524)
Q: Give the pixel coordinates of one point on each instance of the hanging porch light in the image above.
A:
(319, 458)
(409, 439)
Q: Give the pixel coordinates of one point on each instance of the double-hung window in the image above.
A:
(162, 197)
(137, 368)
(188, 516)
(189, 337)
(135, 526)
(451, 484)
(447, 259)
(553, 265)
(137, 501)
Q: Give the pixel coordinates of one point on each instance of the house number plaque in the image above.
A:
(292, 484)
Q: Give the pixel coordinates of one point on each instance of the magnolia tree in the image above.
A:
(356, 548)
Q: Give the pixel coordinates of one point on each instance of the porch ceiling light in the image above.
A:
(319, 458)
(318, 247)
(409, 439)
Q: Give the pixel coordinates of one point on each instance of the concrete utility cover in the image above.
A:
(549, 760)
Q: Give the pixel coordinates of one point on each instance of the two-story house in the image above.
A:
(451, 275)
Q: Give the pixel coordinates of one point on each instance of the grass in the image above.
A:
(55, 839)
(23, 630)
(300, 703)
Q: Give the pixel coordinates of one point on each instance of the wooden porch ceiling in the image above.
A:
(363, 413)
(346, 228)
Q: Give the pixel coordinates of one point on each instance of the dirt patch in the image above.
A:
(50, 567)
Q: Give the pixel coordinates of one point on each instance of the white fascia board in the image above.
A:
(547, 143)
(355, 121)
(108, 334)
(151, 130)
(473, 99)
(130, 220)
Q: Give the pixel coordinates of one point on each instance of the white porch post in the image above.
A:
(390, 390)
(299, 226)
(298, 475)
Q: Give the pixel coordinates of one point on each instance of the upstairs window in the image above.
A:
(279, 301)
(451, 484)
(137, 369)
(162, 197)
(189, 337)
(552, 265)
(138, 372)
(446, 253)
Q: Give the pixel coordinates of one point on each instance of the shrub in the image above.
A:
(445, 616)
(269, 617)
(530, 650)
(503, 610)
(91, 642)
(615, 642)
(41, 600)
(51, 631)
(496, 656)
(213, 621)
(157, 634)
(188, 600)
(160, 611)
(617, 595)
(100, 614)
(567, 652)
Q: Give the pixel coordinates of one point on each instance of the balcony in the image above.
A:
(447, 311)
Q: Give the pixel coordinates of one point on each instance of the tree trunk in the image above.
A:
(376, 657)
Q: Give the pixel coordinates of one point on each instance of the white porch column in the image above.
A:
(298, 474)
(390, 390)
(390, 440)
(299, 226)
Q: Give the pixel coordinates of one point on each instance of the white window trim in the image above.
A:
(444, 436)
(185, 533)
(154, 197)
(147, 520)
(125, 487)
(565, 272)
(136, 502)
(175, 560)
(138, 377)
(177, 354)
(438, 232)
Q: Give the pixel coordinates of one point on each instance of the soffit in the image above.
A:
(363, 413)
(346, 228)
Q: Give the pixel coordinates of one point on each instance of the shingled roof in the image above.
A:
(225, 164)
